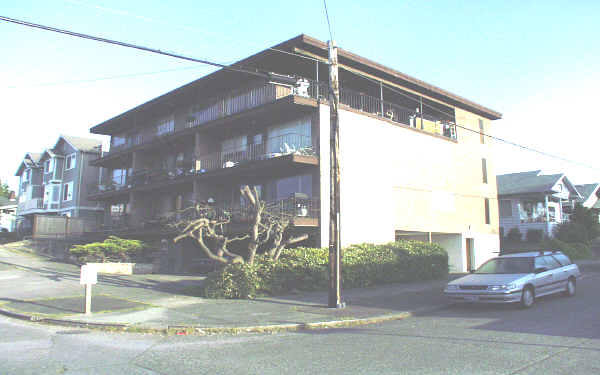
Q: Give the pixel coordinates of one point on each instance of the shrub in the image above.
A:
(534, 235)
(514, 234)
(583, 226)
(572, 250)
(113, 249)
(307, 269)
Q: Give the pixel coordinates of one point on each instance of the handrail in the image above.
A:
(273, 147)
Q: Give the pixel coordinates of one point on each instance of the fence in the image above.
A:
(45, 227)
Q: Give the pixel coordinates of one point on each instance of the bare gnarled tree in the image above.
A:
(268, 230)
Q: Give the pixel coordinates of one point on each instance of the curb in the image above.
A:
(207, 331)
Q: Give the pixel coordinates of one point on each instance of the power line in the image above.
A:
(129, 45)
(327, 16)
(107, 78)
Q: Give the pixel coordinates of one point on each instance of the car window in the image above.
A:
(551, 262)
(506, 266)
(540, 262)
(562, 259)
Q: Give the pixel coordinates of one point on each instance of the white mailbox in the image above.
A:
(88, 276)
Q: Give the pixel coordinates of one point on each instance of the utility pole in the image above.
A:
(335, 261)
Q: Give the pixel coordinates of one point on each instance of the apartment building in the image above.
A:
(415, 162)
(56, 181)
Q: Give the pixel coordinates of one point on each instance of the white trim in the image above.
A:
(73, 163)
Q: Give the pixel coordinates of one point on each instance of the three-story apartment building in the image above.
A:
(414, 158)
(56, 181)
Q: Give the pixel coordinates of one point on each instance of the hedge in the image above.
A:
(572, 250)
(306, 269)
(113, 249)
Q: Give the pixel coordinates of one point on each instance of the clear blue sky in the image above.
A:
(534, 61)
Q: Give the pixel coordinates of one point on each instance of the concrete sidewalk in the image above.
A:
(37, 288)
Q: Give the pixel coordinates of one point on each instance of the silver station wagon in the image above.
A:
(519, 277)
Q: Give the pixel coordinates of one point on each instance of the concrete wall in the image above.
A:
(397, 178)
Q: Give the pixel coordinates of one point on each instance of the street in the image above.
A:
(557, 336)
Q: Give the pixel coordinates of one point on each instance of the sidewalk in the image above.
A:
(36, 288)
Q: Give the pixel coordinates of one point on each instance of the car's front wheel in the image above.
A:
(527, 297)
(571, 288)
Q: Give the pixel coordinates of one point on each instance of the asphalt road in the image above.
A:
(558, 335)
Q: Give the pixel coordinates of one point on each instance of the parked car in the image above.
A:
(519, 277)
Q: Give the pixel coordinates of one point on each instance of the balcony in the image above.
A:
(251, 98)
(287, 147)
(30, 205)
(397, 113)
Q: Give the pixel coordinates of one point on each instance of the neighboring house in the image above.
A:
(590, 196)
(407, 170)
(8, 214)
(56, 181)
(534, 201)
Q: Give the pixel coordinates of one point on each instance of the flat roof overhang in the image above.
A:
(272, 60)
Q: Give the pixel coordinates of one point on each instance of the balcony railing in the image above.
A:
(251, 98)
(31, 204)
(298, 206)
(107, 187)
(397, 113)
(271, 148)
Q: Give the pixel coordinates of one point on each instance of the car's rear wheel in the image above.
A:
(571, 288)
(527, 298)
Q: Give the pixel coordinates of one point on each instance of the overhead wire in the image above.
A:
(328, 23)
(130, 45)
(393, 89)
(106, 78)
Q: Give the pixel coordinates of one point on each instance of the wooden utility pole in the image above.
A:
(335, 261)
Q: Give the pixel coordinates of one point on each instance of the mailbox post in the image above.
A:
(88, 277)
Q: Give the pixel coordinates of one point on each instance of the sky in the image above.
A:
(536, 62)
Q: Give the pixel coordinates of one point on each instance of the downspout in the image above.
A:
(548, 228)
(78, 202)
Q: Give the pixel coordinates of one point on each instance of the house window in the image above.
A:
(559, 187)
(481, 132)
(70, 161)
(484, 170)
(487, 210)
(506, 208)
(27, 175)
(48, 166)
(119, 177)
(165, 126)
(68, 192)
(552, 214)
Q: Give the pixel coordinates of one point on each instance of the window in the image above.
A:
(481, 131)
(487, 210)
(506, 208)
(551, 262)
(284, 188)
(165, 126)
(290, 136)
(70, 161)
(563, 259)
(49, 165)
(118, 140)
(552, 213)
(119, 177)
(67, 192)
(27, 175)
(484, 170)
